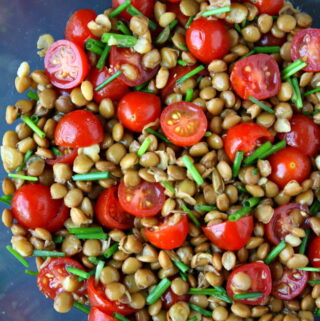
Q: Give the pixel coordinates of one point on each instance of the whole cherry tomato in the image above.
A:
(98, 315)
(144, 6)
(314, 252)
(271, 7)
(169, 298)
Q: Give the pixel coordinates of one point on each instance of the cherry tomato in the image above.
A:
(121, 56)
(67, 157)
(183, 123)
(170, 234)
(175, 8)
(77, 29)
(98, 315)
(271, 7)
(169, 298)
(109, 212)
(53, 273)
(32, 207)
(282, 223)
(66, 64)
(304, 135)
(257, 76)
(290, 285)
(137, 109)
(208, 39)
(260, 282)
(287, 165)
(145, 199)
(57, 222)
(268, 39)
(230, 235)
(145, 7)
(174, 1)
(314, 252)
(80, 128)
(114, 90)
(306, 45)
(245, 137)
(97, 298)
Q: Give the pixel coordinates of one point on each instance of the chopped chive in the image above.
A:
(48, 253)
(142, 86)
(189, 22)
(250, 53)
(317, 312)
(309, 269)
(205, 208)
(119, 317)
(293, 68)
(94, 46)
(193, 319)
(147, 91)
(144, 146)
(255, 171)
(135, 12)
(199, 79)
(158, 291)
(251, 202)
(250, 295)
(249, 160)
(91, 236)
(35, 119)
(153, 132)
(294, 96)
(237, 27)
(313, 91)
(202, 311)
(81, 307)
(183, 46)
(33, 126)
(163, 36)
(6, 199)
(168, 186)
(189, 94)
(181, 266)
(85, 230)
(237, 163)
(219, 293)
(244, 23)
(261, 105)
(191, 215)
(239, 214)
(109, 80)
(190, 74)
(56, 151)
(30, 272)
(216, 11)
(207, 134)
(182, 63)
(78, 272)
(111, 250)
(267, 49)
(26, 157)
(122, 27)
(242, 189)
(315, 208)
(115, 39)
(193, 171)
(123, 6)
(24, 177)
(297, 92)
(94, 260)
(99, 269)
(275, 252)
(314, 281)
(173, 24)
(304, 242)
(33, 95)
(17, 256)
(102, 60)
(184, 276)
(58, 239)
(91, 176)
(275, 148)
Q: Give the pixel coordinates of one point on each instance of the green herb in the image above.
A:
(313, 91)
(142, 86)
(82, 274)
(297, 93)
(250, 53)
(173, 24)
(237, 163)
(242, 189)
(81, 307)
(153, 132)
(17, 256)
(91, 236)
(56, 151)
(158, 291)
(6, 199)
(249, 160)
(35, 119)
(193, 171)
(294, 96)
(216, 293)
(205, 208)
(94, 46)
(251, 202)
(250, 295)
(58, 239)
(275, 148)
(30, 272)
(309, 269)
(163, 36)
(24, 177)
(109, 80)
(122, 27)
(255, 171)
(33, 95)
(182, 63)
(85, 230)
(94, 260)
(191, 215)
(147, 91)
(204, 312)
(193, 319)
(48, 253)
(267, 49)
(189, 22)
(189, 94)
(190, 74)
(99, 269)
(181, 266)
(183, 46)
(91, 176)
(115, 39)
(237, 27)
(261, 105)
(144, 147)
(293, 68)
(315, 208)
(304, 242)
(317, 312)
(275, 252)
(111, 250)
(33, 126)
(119, 317)
(184, 276)
(244, 23)
(207, 134)
(26, 157)
(102, 60)
(239, 214)
(168, 186)
(135, 12)
(123, 6)
(215, 11)
(314, 281)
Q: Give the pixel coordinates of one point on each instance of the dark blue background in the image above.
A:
(21, 23)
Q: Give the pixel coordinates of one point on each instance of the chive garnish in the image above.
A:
(123, 6)
(244, 23)
(189, 22)
(193, 171)
(109, 80)
(191, 215)
(249, 160)
(275, 252)
(99, 269)
(183, 46)
(91, 176)
(26, 157)
(251, 202)
(58, 239)
(56, 151)
(144, 146)
(111, 250)
(242, 189)
(6, 199)
(182, 63)
(207, 134)
(168, 186)
(237, 27)
(314, 281)
(173, 24)
(81, 307)
(94, 46)
(122, 27)
(85, 230)
(190, 74)
(261, 105)
(92, 236)
(33, 126)
(250, 295)
(275, 148)
(158, 291)
(205, 208)
(237, 163)
(163, 36)
(309, 269)
(317, 312)
(184, 276)
(216, 11)
(142, 86)
(250, 53)
(135, 12)
(181, 266)
(115, 39)
(189, 94)
(239, 214)
(35, 119)
(202, 311)
(102, 60)
(217, 293)
(119, 317)
(30, 272)
(17, 256)
(293, 68)
(297, 93)
(48, 253)
(33, 95)
(94, 260)
(315, 208)
(147, 91)
(267, 49)
(153, 132)
(82, 274)
(303, 246)
(313, 91)
(193, 319)
(24, 177)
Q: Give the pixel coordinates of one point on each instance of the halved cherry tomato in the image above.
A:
(306, 45)
(290, 285)
(282, 223)
(268, 39)
(144, 6)
(169, 298)
(145, 199)
(175, 8)
(314, 252)
(245, 137)
(304, 135)
(257, 76)
(271, 7)
(137, 109)
(97, 298)
(114, 90)
(67, 157)
(98, 315)
(121, 56)
(230, 235)
(33, 206)
(170, 234)
(183, 123)
(79, 128)
(287, 165)
(261, 281)
(109, 212)
(66, 64)
(77, 29)
(53, 273)
(208, 39)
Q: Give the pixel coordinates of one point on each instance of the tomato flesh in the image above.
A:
(271, 7)
(67, 157)
(314, 252)
(98, 315)
(145, 7)
(268, 39)
(174, 7)
(169, 298)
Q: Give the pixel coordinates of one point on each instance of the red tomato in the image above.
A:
(183, 123)
(170, 234)
(271, 7)
(98, 299)
(304, 135)
(268, 39)
(66, 64)
(287, 165)
(32, 207)
(137, 109)
(98, 315)
(230, 235)
(208, 39)
(314, 252)
(77, 29)
(175, 8)
(121, 56)
(281, 223)
(145, 7)
(67, 157)
(169, 298)
(114, 90)
(174, 1)
(52, 275)
(291, 284)
(306, 45)
(78, 128)
(245, 137)
(145, 199)
(260, 282)
(257, 76)
(109, 212)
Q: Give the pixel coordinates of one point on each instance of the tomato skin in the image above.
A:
(229, 235)
(314, 252)
(268, 39)
(304, 135)
(77, 29)
(175, 8)
(169, 298)
(64, 159)
(109, 212)
(145, 7)
(168, 237)
(98, 315)
(245, 137)
(79, 128)
(58, 221)
(207, 39)
(271, 7)
(137, 109)
(261, 282)
(287, 165)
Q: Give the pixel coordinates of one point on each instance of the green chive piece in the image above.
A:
(261, 105)
(158, 291)
(144, 147)
(26, 157)
(122, 27)
(303, 246)
(119, 317)
(135, 12)
(30, 272)
(250, 295)
(99, 268)
(219, 293)
(91, 176)
(147, 91)
(293, 68)
(184, 276)
(6, 199)
(33, 95)
(102, 60)
(237, 163)
(294, 96)
(207, 134)
(58, 239)
(94, 46)
(216, 11)
(142, 86)
(193, 171)
(315, 208)
(317, 312)
(115, 39)
(56, 151)
(24, 177)
(109, 80)
(183, 46)
(81, 307)
(33, 126)
(297, 93)
(190, 74)
(309, 269)
(267, 49)
(168, 186)
(193, 319)
(94, 260)
(244, 23)
(123, 6)
(202, 311)
(35, 119)
(205, 208)
(250, 53)
(275, 252)
(182, 63)
(249, 160)
(237, 27)
(173, 24)
(239, 214)
(251, 202)
(189, 22)
(153, 132)
(191, 215)
(111, 250)
(78, 272)
(163, 36)
(242, 189)
(48, 253)
(17, 256)
(85, 230)
(181, 266)
(313, 91)
(314, 281)
(275, 148)
(189, 94)
(91, 236)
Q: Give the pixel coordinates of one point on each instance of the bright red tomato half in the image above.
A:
(144, 6)
(175, 8)
(183, 123)
(257, 76)
(306, 46)
(80, 128)
(137, 109)
(67, 157)
(66, 64)
(271, 7)
(230, 235)
(314, 252)
(169, 298)
(98, 315)
(245, 137)
(260, 275)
